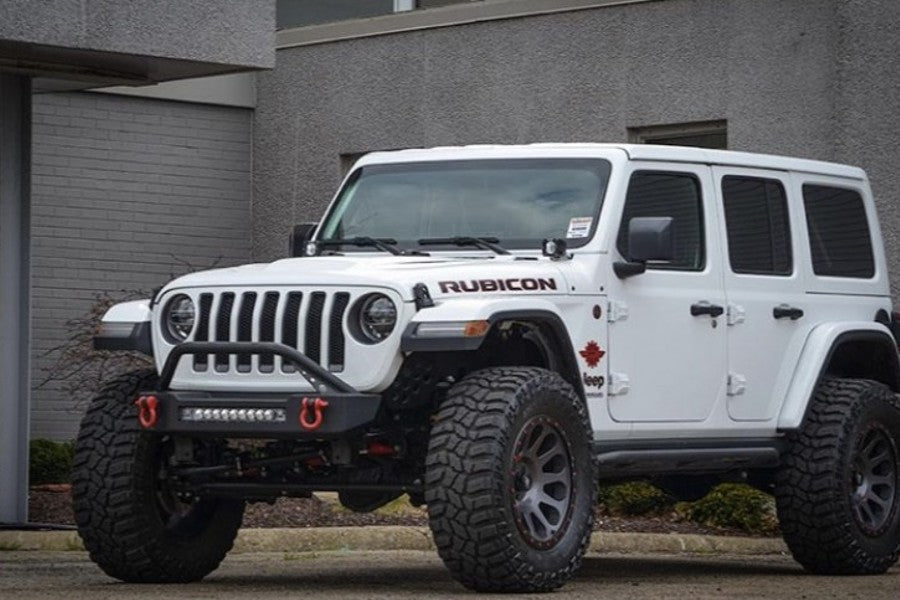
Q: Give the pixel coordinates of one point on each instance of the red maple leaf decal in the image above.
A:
(592, 354)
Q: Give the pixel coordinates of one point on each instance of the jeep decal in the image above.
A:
(525, 284)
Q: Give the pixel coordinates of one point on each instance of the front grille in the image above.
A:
(307, 322)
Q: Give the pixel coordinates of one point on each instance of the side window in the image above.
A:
(756, 219)
(839, 238)
(676, 195)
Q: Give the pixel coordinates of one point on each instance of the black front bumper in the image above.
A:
(332, 410)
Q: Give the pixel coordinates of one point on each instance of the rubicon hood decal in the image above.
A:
(514, 284)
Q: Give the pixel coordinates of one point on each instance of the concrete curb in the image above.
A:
(327, 539)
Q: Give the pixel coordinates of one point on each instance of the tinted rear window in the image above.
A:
(756, 217)
(839, 237)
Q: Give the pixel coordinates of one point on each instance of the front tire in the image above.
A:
(510, 483)
(837, 490)
(133, 528)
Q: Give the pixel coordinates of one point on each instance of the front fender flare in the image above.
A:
(126, 327)
(471, 309)
(541, 312)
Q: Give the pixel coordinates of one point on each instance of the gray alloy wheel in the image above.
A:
(542, 476)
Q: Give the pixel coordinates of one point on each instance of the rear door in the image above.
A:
(767, 307)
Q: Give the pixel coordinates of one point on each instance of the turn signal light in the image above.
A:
(476, 328)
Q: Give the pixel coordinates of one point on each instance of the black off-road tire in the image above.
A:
(117, 499)
(820, 475)
(474, 452)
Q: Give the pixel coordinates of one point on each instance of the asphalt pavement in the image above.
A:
(420, 575)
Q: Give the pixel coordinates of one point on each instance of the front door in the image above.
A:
(667, 335)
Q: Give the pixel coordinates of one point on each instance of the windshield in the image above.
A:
(520, 202)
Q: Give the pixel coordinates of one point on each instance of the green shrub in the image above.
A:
(634, 498)
(733, 505)
(51, 462)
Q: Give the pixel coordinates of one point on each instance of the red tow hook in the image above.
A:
(317, 405)
(147, 415)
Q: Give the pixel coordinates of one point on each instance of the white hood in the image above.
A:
(442, 275)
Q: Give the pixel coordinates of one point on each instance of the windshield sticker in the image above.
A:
(579, 227)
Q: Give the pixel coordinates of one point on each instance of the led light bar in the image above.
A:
(233, 415)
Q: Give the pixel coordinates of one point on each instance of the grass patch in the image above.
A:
(635, 498)
(733, 505)
(10, 546)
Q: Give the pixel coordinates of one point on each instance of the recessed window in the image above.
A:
(702, 134)
(756, 219)
(839, 238)
(301, 13)
(664, 194)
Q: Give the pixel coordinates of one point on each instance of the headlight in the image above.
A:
(178, 318)
(376, 318)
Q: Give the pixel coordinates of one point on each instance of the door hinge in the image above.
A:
(736, 314)
(618, 384)
(617, 311)
(737, 383)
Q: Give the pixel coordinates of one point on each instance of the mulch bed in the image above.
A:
(54, 506)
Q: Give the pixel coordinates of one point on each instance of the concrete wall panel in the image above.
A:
(237, 32)
(768, 67)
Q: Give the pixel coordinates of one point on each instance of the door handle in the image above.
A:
(705, 308)
(783, 311)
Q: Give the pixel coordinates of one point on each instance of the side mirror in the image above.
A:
(301, 234)
(649, 238)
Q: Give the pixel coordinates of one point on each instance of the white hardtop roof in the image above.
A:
(646, 152)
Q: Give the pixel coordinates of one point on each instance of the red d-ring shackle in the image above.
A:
(147, 415)
(317, 405)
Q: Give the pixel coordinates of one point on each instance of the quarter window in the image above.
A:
(756, 219)
(839, 238)
(676, 195)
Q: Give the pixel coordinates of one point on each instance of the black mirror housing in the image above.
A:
(300, 235)
(650, 238)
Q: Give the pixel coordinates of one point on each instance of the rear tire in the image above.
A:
(837, 490)
(132, 527)
(510, 482)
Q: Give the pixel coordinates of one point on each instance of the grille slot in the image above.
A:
(314, 327)
(245, 329)
(336, 332)
(201, 361)
(267, 330)
(223, 327)
(289, 325)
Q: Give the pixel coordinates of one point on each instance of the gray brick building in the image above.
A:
(126, 192)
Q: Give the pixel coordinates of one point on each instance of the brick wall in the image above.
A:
(126, 192)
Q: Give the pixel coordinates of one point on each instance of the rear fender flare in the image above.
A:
(821, 345)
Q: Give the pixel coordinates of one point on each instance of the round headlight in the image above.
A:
(179, 318)
(377, 317)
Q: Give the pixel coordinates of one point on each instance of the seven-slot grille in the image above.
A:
(310, 321)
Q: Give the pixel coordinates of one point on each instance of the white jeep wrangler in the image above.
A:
(494, 329)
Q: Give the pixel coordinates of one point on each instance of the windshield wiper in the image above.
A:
(488, 243)
(386, 244)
